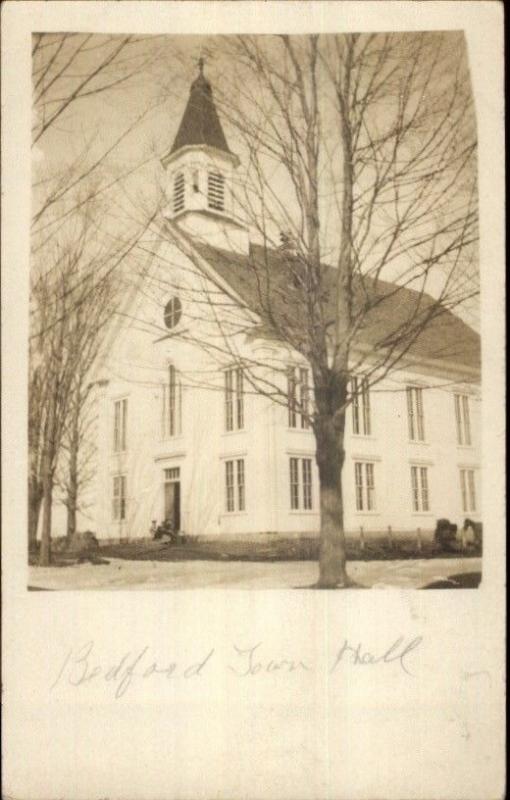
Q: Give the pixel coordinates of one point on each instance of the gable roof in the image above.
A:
(262, 280)
(200, 124)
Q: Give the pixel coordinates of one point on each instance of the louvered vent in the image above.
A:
(178, 192)
(216, 191)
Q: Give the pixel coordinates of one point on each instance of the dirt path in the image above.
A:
(120, 574)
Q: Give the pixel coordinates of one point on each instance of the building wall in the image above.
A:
(266, 444)
(135, 369)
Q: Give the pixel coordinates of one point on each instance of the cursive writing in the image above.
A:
(249, 664)
(81, 666)
(399, 651)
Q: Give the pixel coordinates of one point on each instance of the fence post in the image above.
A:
(418, 539)
(390, 537)
(361, 538)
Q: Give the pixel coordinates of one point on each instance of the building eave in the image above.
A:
(215, 152)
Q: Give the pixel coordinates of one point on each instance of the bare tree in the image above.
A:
(75, 466)
(71, 280)
(69, 70)
(369, 140)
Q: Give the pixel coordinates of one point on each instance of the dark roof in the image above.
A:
(265, 283)
(200, 123)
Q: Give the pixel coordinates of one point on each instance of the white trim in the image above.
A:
(367, 513)
(233, 454)
(233, 514)
(202, 148)
(168, 456)
(309, 512)
(365, 457)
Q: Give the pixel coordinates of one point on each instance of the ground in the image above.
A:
(164, 575)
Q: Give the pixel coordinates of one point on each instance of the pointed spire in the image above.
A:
(200, 123)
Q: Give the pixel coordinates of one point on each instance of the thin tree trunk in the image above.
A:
(72, 486)
(47, 470)
(45, 554)
(35, 496)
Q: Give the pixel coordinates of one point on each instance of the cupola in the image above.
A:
(200, 174)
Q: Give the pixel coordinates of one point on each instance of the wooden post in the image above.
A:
(390, 537)
(361, 538)
(418, 539)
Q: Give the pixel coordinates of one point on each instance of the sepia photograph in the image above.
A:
(253, 361)
(254, 348)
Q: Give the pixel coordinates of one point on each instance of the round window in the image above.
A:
(173, 312)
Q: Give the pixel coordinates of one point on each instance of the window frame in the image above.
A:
(234, 399)
(361, 414)
(235, 485)
(119, 443)
(420, 489)
(301, 483)
(119, 498)
(171, 419)
(298, 397)
(415, 413)
(468, 490)
(364, 483)
(462, 419)
(172, 313)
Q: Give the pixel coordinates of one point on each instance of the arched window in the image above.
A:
(216, 191)
(178, 192)
(173, 312)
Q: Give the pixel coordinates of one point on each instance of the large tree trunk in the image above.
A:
(329, 427)
(35, 495)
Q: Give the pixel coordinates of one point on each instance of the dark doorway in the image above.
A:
(173, 498)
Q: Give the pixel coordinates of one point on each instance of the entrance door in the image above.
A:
(173, 498)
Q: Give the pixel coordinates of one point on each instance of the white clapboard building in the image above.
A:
(183, 436)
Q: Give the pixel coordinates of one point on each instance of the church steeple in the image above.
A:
(200, 169)
(200, 124)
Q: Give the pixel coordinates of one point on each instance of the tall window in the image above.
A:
(301, 484)
(361, 423)
(468, 490)
(415, 413)
(119, 425)
(420, 488)
(365, 486)
(234, 399)
(216, 191)
(462, 420)
(179, 192)
(171, 411)
(235, 485)
(298, 397)
(119, 498)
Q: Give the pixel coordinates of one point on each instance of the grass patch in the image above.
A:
(279, 550)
